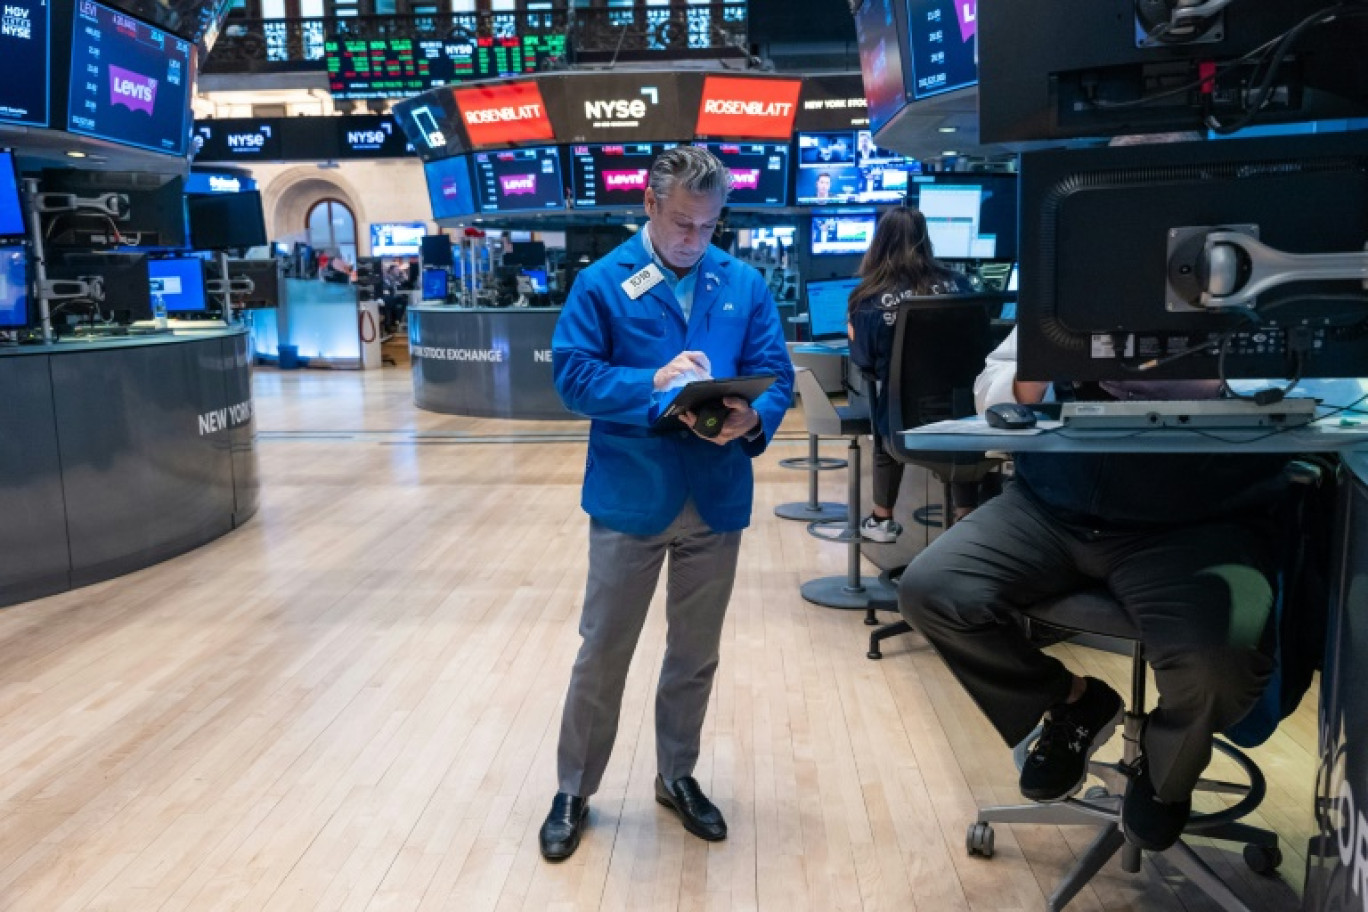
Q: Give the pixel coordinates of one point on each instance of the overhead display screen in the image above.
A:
(735, 108)
(519, 180)
(376, 136)
(944, 45)
(759, 172)
(362, 68)
(843, 235)
(876, 31)
(227, 140)
(505, 114)
(448, 182)
(130, 83)
(844, 166)
(612, 176)
(25, 62)
(619, 107)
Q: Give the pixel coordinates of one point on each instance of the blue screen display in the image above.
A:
(25, 62)
(13, 286)
(11, 212)
(519, 180)
(538, 279)
(130, 82)
(205, 182)
(435, 284)
(448, 182)
(180, 282)
(828, 304)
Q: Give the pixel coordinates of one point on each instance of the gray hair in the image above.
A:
(694, 168)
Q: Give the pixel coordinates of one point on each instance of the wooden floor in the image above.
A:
(352, 703)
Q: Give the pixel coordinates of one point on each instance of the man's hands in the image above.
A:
(741, 420)
(687, 362)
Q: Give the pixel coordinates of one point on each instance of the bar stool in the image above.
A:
(813, 463)
(851, 591)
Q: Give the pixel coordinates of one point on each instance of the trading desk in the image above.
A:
(1337, 863)
(118, 453)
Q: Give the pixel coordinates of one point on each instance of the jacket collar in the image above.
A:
(714, 274)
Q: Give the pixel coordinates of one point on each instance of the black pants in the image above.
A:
(1200, 594)
(888, 475)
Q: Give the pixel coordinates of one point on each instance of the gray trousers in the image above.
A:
(1200, 594)
(623, 573)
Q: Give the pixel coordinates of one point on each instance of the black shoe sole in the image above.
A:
(1104, 734)
(574, 840)
(688, 823)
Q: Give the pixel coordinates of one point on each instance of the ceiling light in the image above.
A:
(949, 152)
(948, 129)
(73, 153)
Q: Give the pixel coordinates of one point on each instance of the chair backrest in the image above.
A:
(819, 414)
(940, 344)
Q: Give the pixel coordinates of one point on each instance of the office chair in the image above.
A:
(940, 343)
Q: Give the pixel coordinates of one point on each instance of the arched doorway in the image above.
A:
(331, 225)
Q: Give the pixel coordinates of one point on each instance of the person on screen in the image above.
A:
(823, 188)
(618, 356)
(898, 264)
(866, 147)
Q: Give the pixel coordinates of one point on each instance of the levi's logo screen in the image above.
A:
(612, 175)
(130, 82)
(519, 180)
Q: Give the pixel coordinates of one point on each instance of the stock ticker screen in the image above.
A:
(363, 68)
(130, 82)
(24, 62)
(944, 45)
(519, 180)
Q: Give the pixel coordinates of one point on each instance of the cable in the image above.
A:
(1221, 68)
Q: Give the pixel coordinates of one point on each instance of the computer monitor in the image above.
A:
(155, 215)
(180, 282)
(841, 235)
(12, 228)
(1111, 268)
(227, 221)
(841, 167)
(969, 216)
(537, 277)
(829, 307)
(436, 284)
(531, 254)
(126, 282)
(14, 295)
(397, 238)
(436, 250)
(265, 276)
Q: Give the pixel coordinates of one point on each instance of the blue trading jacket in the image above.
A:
(605, 352)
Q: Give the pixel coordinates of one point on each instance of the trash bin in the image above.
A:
(289, 357)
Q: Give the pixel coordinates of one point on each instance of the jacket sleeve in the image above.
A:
(765, 352)
(581, 362)
(994, 383)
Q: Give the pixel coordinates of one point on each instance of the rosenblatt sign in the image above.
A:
(748, 108)
(496, 115)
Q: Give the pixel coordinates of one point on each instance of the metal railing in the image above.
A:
(679, 30)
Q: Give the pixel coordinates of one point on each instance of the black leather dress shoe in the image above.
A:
(699, 815)
(560, 834)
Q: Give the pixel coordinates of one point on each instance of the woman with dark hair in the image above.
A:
(899, 264)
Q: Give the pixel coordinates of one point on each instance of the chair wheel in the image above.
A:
(979, 839)
(874, 654)
(1263, 859)
(1096, 793)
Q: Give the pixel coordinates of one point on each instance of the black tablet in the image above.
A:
(700, 391)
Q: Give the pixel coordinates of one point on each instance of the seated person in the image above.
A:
(898, 264)
(1184, 542)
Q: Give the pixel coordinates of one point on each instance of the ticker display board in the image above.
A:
(369, 68)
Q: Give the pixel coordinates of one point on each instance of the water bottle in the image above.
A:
(159, 311)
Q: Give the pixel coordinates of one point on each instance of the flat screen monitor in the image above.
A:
(969, 216)
(265, 276)
(127, 284)
(13, 287)
(880, 41)
(130, 82)
(26, 63)
(943, 45)
(448, 183)
(773, 236)
(227, 221)
(11, 207)
(844, 166)
(373, 68)
(1111, 268)
(537, 278)
(155, 215)
(519, 180)
(612, 175)
(435, 284)
(828, 303)
(397, 238)
(180, 282)
(436, 250)
(759, 172)
(531, 254)
(847, 235)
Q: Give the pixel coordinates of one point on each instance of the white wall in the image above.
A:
(384, 190)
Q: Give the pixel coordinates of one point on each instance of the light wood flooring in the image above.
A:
(352, 703)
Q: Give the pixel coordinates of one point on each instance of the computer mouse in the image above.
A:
(1010, 416)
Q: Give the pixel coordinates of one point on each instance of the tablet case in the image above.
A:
(700, 391)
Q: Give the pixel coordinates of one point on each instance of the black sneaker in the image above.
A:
(1146, 821)
(1057, 765)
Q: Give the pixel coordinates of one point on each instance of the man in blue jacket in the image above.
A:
(663, 308)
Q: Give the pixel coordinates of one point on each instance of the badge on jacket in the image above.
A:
(638, 284)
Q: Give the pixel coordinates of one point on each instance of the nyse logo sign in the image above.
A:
(16, 23)
(369, 140)
(621, 113)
